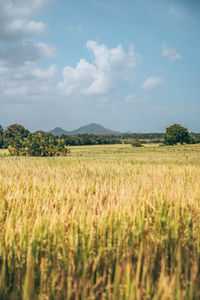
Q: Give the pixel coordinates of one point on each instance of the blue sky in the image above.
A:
(128, 65)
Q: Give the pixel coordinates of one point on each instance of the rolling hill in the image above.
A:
(92, 128)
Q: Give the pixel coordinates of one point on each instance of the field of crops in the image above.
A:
(105, 222)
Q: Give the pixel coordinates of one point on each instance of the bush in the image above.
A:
(136, 143)
(194, 140)
(38, 144)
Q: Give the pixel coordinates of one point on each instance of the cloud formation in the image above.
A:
(152, 83)
(20, 75)
(111, 67)
(27, 80)
(15, 22)
(13, 54)
(170, 53)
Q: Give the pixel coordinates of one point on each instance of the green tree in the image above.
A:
(1, 137)
(1, 130)
(136, 143)
(16, 130)
(176, 134)
(38, 144)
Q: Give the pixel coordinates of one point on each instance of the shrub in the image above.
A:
(136, 143)
(38, 144)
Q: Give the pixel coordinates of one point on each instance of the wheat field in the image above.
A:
(105, 222)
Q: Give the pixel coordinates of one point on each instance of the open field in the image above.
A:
(105, 222)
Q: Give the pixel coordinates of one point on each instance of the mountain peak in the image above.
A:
(92, 128)
(58, 131)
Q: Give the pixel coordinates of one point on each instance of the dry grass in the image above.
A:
(107, 222)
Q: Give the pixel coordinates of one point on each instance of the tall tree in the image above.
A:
(16, 130)
(1, 137)
(1, 130)
(176, 134)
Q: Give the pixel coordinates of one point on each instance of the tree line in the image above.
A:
(20, 141)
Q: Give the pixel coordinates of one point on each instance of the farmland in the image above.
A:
(104, 222)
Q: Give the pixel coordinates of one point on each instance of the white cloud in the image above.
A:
(20, 76)
(26, 51)
(76, 80)
(28, 81)
(45, 74)
(111, 67)
(170, 53)
(152, 83)
(15, 22)
(45, 50)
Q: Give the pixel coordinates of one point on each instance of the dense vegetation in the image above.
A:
(21, 142)
(105, 222)
(24, 142)
(37, 144)
(177, 134)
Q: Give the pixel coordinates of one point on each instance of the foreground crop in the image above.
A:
(99, 229)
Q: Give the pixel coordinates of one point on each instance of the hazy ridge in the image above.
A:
(92, 128)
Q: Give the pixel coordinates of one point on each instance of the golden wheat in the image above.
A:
(103, 223)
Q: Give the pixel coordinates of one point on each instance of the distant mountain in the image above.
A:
(58, 131)
(92, 128)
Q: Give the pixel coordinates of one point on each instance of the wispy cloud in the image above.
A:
(152, 83)
(170, 53)
(78, 28)
(178, 11)
(135, 99)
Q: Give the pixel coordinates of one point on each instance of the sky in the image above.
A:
(129, 65)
